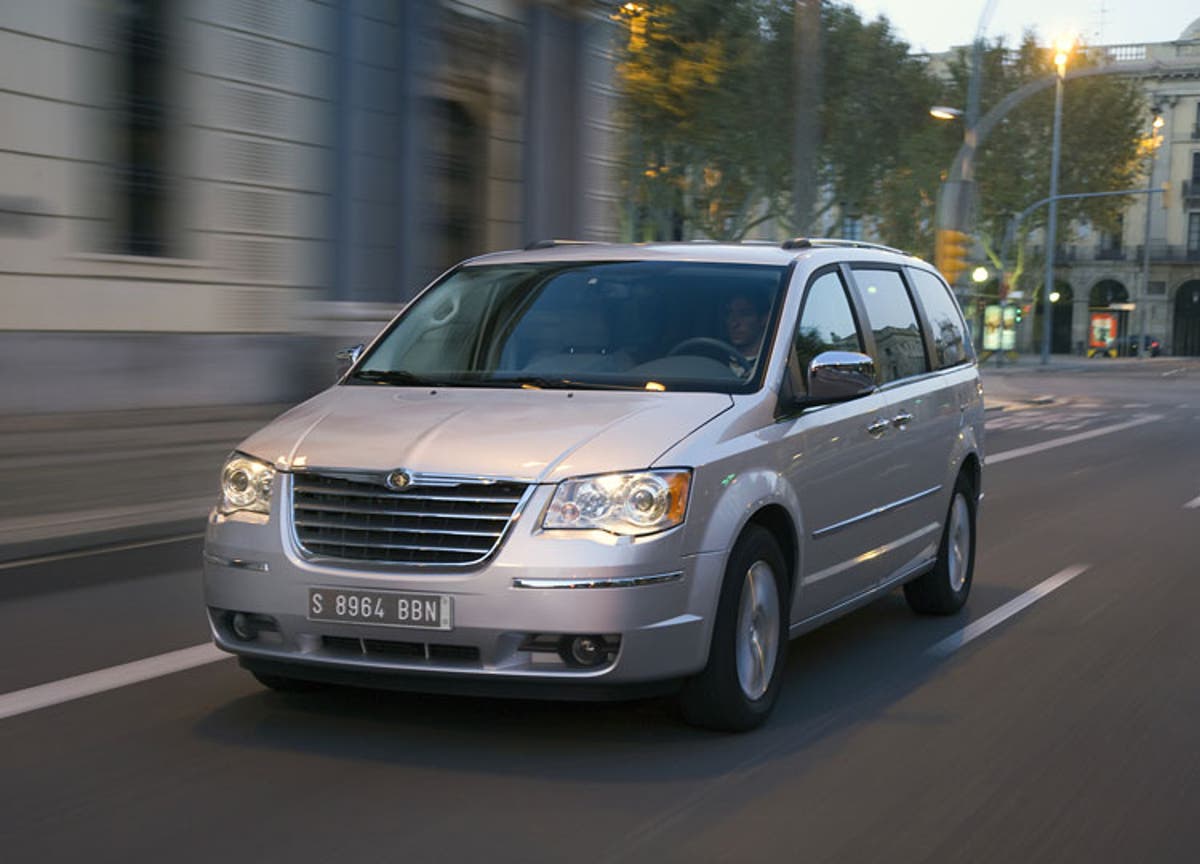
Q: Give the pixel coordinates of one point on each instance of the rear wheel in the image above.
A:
(738, 688)
(944, 589)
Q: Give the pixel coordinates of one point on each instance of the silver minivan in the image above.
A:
(598, 471)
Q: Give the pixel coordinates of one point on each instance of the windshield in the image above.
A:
(646, 325)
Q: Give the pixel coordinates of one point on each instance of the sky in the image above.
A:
(935, 25)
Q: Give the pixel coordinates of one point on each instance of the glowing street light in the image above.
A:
(1055, 296)
(980, 275)
(944, 112)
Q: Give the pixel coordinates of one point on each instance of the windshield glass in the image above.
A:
(634, 324)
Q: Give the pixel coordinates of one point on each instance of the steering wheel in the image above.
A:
(708, 346)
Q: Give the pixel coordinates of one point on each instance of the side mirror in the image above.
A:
(346, 358)
(836, 376)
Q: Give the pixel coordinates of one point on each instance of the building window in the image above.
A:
(1193, 235)
(852, 227)
(141, 151)
(1110, 242)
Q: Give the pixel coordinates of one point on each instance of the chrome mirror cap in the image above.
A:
(834, 376)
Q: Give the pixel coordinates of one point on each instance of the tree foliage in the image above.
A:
(708, 97)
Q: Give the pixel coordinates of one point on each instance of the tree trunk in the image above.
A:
(807, 117)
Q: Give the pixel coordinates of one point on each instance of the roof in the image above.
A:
(726, 253)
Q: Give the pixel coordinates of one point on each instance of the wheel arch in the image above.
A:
(973, 469)
(778, 522)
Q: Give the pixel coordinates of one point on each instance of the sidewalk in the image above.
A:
(76, 481)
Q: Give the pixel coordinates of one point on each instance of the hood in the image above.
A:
(531, 435)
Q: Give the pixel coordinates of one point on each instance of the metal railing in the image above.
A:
(1164, 252)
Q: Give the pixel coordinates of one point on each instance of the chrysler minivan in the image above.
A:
(602, 471)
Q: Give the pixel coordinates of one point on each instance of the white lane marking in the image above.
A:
(56, 692)
(97, 550)
(1194, 504)
(997, 616)
(1171, 372)
(1069, 439)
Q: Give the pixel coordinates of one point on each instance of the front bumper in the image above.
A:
(642, 594)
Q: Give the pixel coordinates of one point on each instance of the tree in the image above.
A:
(707, 138)
(1103, 120)
(709, 96)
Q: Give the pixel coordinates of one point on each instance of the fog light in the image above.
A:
(243, 626)
(584, 650)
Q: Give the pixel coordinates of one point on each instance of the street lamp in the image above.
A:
(1155, 140)
(1061, 56)
(944, 112)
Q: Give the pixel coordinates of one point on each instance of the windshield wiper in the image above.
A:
(389, 376)
(543, 382)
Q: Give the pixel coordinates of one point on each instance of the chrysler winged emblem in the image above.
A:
(399, 479)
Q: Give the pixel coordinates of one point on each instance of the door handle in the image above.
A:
(878, 427)
(902, 419)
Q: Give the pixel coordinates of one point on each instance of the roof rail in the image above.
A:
(816, 242)
(550, 244)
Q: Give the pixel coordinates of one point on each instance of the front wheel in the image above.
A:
(944, 589)
(738, 688)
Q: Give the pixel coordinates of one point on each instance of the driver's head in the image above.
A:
(745, 321)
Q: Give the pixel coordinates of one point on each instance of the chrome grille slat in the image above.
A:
(339, 516)
(415, 514)
(377, 545)
(389, 495)
(395, 529)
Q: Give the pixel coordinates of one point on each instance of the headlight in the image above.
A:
(246, 485)
(641, 502)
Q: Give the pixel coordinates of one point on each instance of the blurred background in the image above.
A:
(201, 199)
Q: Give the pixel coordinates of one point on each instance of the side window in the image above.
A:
(894, 322)
(949, 331)
(826, 323)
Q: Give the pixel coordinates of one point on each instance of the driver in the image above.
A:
(746, 323)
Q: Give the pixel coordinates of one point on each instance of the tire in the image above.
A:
(738, 687)
(944, 589)
(283, 684)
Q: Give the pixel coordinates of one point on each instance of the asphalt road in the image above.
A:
(1066, 733)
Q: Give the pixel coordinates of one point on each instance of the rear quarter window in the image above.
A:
(951, 345)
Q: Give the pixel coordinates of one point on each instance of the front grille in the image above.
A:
(439, 521)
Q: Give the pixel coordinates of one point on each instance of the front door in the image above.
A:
(833, 456)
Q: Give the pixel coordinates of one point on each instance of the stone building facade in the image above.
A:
(195, 193)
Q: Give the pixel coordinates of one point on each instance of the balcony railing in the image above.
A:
(1167, 253)
(1062, 254)
(1110, 253)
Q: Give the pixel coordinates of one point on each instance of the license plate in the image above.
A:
(387, 608)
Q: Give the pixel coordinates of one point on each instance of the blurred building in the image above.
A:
(196, 194)
(1103, 272)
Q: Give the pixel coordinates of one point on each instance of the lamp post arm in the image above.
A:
(1000, 110)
